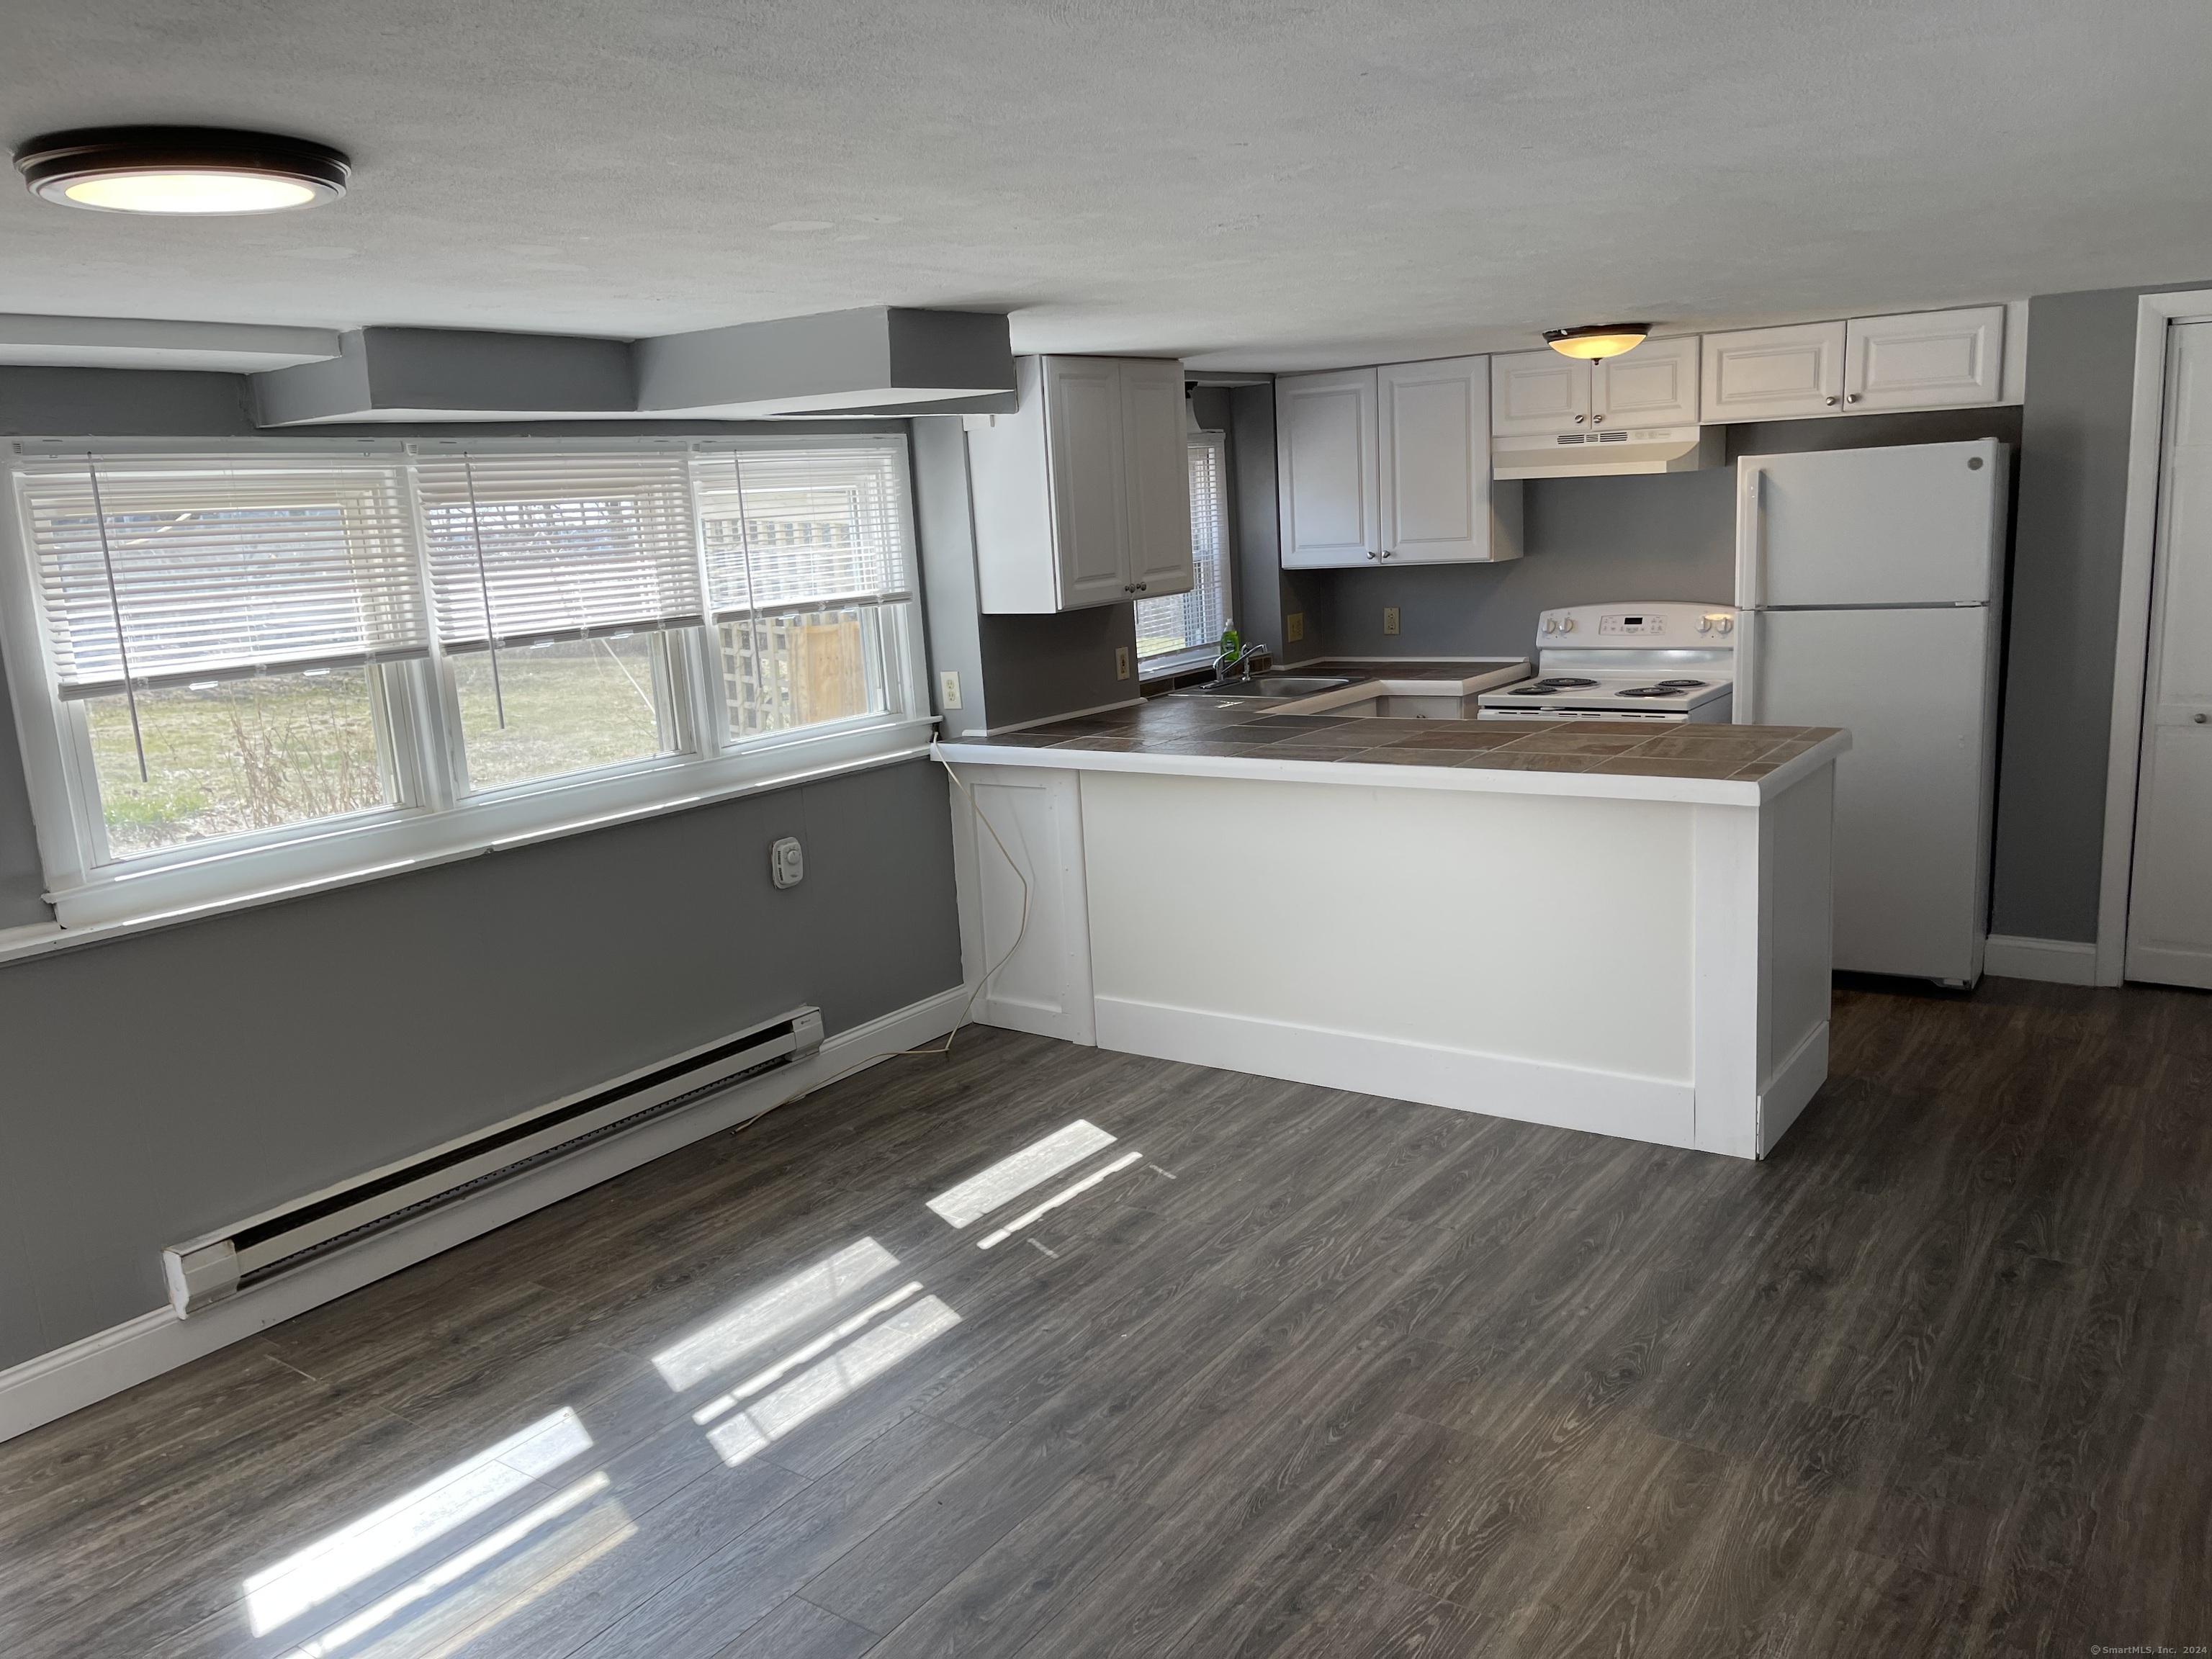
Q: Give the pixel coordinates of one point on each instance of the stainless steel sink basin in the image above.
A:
(1282, 686)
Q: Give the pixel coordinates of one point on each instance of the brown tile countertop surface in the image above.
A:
(1640, 748)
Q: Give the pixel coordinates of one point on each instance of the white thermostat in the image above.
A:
(786, 862)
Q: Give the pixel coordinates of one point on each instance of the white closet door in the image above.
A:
(2170, 898)
(1929, 360)
(1082, 423)
(1326, 456)
(1436, 460)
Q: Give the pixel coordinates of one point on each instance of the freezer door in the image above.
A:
(1918, 524)
(1916, 689)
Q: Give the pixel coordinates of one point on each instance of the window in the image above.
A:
(338, 657)
(1187, 627)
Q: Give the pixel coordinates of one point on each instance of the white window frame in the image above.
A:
(1168, 663)
(436, 820)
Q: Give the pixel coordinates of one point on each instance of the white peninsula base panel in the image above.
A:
(1638, 957)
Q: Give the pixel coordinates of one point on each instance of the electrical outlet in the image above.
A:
(948, 688)
(1294, 628)
(1120, 662)
(1389, 619)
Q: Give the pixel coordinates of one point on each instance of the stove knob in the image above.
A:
(1705, 624)
(1566, 624)
(1727, 624)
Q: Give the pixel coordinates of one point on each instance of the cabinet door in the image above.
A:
(1435, 442)
(1082, 423)
(1532, 393)
(1655, 384)
(1326, 457)
(1158, 468)
(1929, 360)
(1773, 374)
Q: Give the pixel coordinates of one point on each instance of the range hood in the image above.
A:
(1601, 454)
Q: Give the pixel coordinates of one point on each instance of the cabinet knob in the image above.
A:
(2200, 717)
(1372, 554)
(1386, 552)
(1579, 419)
(1597, 420)
(1830, 401)
(1851, 396)
(1141, 587)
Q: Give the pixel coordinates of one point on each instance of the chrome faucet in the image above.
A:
(1240, 658)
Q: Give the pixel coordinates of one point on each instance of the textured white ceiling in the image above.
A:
(1250, 185)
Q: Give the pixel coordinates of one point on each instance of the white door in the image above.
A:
(1534, 393)
(1156, 468)
(1914, 686)
(1083, 425)
(1929, 360)
(2170, 895)
(1435, 442)
(1655, 384)
(1773, 374)
(1326, 454)
(1913, 524)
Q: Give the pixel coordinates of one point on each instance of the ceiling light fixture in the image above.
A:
(1596, 339)
(181, 170)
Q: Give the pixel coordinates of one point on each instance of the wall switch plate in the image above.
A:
(1294, 628)
(948, 688)
(1120, 662)
(786, 862)
(1389, 619)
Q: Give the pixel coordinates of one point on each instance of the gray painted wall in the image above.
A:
(161, 1085)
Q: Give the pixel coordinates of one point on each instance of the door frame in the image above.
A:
(2155, 314)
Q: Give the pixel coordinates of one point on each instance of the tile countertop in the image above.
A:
(1171, 734)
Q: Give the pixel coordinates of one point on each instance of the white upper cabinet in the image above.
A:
(1391, 464)
(1157, 463)
(1328, 468)
(1082, 496)
(1536, 393)
(1773, 374)
(1928, 360)
(1655, 384)
(1870, 364)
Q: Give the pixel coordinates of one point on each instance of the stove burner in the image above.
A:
(1649, 691)
(1552, 683)
(1681, 685)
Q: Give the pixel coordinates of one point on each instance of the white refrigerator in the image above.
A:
(1871, 581)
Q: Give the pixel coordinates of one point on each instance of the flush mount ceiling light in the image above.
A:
(1596, 339)
(181, 170)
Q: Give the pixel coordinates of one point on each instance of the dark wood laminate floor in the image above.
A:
(1321, 1374)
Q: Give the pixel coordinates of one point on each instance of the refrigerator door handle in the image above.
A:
(1743, 708)
(1750, 535)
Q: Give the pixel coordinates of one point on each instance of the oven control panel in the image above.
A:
(1661, 624)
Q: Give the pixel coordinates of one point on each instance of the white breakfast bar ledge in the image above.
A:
(1640, 948)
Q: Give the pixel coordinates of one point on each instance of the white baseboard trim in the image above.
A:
(1532, 1091)
(107, 1361)
(2054, 960)
(1795, 1082)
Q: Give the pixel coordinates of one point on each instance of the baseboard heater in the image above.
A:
(213, 1268)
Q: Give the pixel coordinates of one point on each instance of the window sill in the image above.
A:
(127, 901)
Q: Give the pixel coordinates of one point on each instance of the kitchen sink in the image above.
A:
(1280, 686)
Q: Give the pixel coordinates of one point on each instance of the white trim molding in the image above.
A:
(80, 1373)
(2131, 649)
(2053, 960)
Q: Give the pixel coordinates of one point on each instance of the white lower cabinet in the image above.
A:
(1377, 464)
(1082, 496)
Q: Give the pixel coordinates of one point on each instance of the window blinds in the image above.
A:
(811, 528)
(163, 571)
(558, 545)
(1191, 624)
